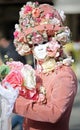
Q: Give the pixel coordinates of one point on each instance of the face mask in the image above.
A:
(40, 51)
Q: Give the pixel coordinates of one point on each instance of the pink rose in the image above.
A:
(16, 34)
(15, 65)
(53, 45)
(25, 22)
(29, 94)
(49, 15)
(36, 13)
(37, 3)
(38, 20)
(53, 48)
(21, 37)
(53, 54)
(27, 9)
(14, 78)
(37, 39)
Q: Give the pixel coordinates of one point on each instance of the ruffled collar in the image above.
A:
(50, 65)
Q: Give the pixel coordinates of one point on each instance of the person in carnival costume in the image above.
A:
(41, 31)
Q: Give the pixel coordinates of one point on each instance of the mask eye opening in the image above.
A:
(44, 43)
(35, 45)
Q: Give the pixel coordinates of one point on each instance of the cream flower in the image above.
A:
(29, 77)
(23, 49)
(48, 65)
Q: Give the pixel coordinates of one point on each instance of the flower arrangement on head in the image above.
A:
(40, 24)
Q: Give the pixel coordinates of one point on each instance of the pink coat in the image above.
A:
(61, 88)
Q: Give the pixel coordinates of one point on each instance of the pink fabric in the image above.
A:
(43, 27)
(61, 87)
(49, 9)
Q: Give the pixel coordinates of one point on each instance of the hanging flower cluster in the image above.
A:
(22, 77)
(38, 24)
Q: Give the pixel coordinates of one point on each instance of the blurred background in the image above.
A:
(9, 15)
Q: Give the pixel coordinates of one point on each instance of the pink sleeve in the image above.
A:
(62, 96)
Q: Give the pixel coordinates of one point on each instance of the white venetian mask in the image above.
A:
(40, 51)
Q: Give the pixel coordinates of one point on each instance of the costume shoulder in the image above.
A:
(65, 76)
(65, 71)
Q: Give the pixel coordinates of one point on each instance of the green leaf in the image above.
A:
(4, 70)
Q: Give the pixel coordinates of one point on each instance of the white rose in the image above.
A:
(64, 36)
(55, 21)
(21, 13)
(67, 31)
(17, 27)
(68, 61)
(61, 12)
(29, 3)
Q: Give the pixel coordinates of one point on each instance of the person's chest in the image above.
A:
(46, 81)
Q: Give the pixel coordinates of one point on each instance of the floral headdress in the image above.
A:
(38, 24)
